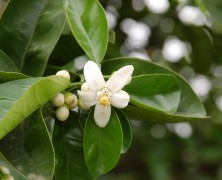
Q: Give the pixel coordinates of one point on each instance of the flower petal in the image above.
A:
(102, 115)
(88, 98)
(93, 76)
(120, 78)
(120, 99)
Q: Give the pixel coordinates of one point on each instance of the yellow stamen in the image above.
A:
(103, 97)
(104, 100)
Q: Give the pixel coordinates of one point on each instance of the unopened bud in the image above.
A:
(62, 113)
(63, 73)
(58, 100)
(4, 170)
(70, 98)
(83, 106)
(85, 87)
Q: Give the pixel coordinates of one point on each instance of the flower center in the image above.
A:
(103, 97)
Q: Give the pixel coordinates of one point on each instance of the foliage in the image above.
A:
(37, 39)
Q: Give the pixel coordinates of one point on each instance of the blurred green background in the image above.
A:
(186, 36)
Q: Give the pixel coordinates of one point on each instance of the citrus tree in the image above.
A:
(65, 110)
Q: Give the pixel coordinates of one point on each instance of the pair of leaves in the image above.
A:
(100, 148)
(152, 108)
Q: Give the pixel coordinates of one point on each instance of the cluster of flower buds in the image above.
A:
(64, 101)
(5, 174)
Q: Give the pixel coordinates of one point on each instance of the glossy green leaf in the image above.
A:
(102, 146)
(20, 98)
(88, 24)
(126, 128)
(17, 32)
(68, 144)
(29, 37)
(137, 113)
(13, 172)
(158, 92)
(28, 147)
(83, 116)
(6, 64)
(10, 76)
(46, 35)
(190, 104)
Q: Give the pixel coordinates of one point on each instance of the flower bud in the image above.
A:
(4, 170)
(83, 106)
(85, 87)
(58, 100)
(70, 98)
(62, 113)
(63, 73)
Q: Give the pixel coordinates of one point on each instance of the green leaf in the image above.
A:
(88, 24)
(137, 113)
(190, 104)
(102, 146)
(28, 147)
(126, 128)
(83, 116)
(46, 35)
(157, 92)
(68, 144)
(20, 98)
(10, 76)
(13, 172)
(17, 26)
(29, 32)
(6, 64)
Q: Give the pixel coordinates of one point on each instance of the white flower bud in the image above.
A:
(73, 105)
(85, 87)
(58, 100)
(62, 113)
(63, 73)
(4, 170)
(70, 98)
(83, 106)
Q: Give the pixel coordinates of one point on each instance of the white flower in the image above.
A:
(104, 94)
(64, 74)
